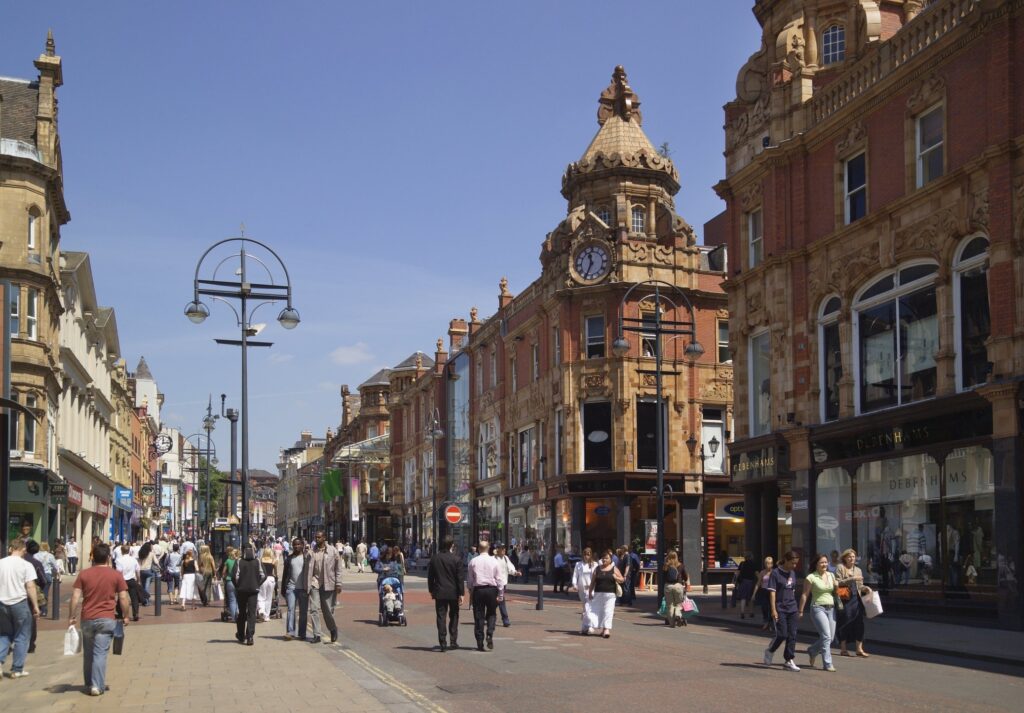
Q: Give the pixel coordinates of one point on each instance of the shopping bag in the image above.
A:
(72, 641)
(872, 604)
(690, 608)
(218, 591)
(118, 637)
(663, 609)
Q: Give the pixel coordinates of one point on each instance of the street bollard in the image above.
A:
(540, 590)
(156, 594)
(55, 607)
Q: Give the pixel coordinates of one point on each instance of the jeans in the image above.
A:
(144, 576)
(298, 605)
(72, 564)
(504, 612)
(97, 634)
(785, 631)
(45, 605)
(825, 623)
(15, 631)
(323, 603)
(231, 598)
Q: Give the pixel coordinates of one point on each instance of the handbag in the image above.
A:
(618, 590)
(218, 590)
(844, 593)
(118, 637)
(872, 604)
(837, 601)
(663, 609)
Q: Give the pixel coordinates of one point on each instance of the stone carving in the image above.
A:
(752, 80)
(930, 90)
(716, 391)
(638, 159)
(746, 125)
(853, 139)
(928, 235)
(754, 302)
(648, 380)
(593, 381)
(473, 312)
(643, 252)
(750, 196)
(978, 219)
(619, 99)
(503, 284)
(795, 57)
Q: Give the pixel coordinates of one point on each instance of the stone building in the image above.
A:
(875, 206)
(561, 435)
(32, 211)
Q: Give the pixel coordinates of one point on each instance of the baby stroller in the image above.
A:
(391, 611)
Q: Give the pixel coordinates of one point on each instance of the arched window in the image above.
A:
(833, 44)
(639, 219)
(970, 303)
(830, 358)
(897, 334)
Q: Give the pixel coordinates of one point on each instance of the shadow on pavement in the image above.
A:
(758, 666)
(418, 648)
(65, 688)
(224, 641)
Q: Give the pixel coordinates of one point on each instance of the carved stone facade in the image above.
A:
(887, 178)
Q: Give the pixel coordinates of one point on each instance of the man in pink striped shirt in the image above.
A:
(486, 590)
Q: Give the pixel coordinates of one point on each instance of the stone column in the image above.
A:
(810, 38)
(690, 536)
(623, 519)
(752, 520)
(770, 520)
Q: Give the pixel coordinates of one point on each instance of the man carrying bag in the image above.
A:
(98, 590)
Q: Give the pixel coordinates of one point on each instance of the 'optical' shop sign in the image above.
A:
(729, 508)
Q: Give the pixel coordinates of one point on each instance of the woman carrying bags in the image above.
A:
(676, 581)
(851, 620)
(821, 588)
(603, 584)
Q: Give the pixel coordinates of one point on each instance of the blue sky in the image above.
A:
(401, 158)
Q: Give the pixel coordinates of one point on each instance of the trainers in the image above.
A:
(790, 666)
(830, 668)
(93, 691)
(768, 656)
(19, 674)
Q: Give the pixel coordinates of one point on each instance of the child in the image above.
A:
(391, 603)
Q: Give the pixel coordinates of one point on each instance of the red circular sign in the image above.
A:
(453, 514)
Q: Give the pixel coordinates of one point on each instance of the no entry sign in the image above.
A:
(453, 514)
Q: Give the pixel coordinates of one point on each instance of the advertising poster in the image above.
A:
(650, 537)
(353, 499)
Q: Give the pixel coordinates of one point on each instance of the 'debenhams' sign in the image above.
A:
(754, 465)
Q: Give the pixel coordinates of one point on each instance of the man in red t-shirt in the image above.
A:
(97, 589)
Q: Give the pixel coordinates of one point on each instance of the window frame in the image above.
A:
(14, 313)
(960, 268)
(825, 321)
(513, 376)
(32, 313)
(13, 423)
(648, 340)
(848, 194)
(723, 345)
(919, 156)
(638, 217)
(755, 245)
(559, 440)
(594, 340)
(752, 391)
(32, 236)
(535, 361)
(585, 466)
(838, 44)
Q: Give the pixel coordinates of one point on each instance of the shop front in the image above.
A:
(30, 509)
(759, 469)
(121, 522)
(489, 514)
(726, 522)
(527, 521)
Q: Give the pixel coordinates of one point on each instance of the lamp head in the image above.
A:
(214, 461)
(437, 434)
(694, 350)
(196, 311)
(713, 444)
(691, 442)
(289, 317)
(620, 347)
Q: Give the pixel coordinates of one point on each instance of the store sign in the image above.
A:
(602, 510)
(74, 495)
(148, 491)
(123, 498)
(730, 508)
(59, 493)
(102, 507)
(754, 465)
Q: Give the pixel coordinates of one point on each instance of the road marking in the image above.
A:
(571, 644)
(390, 680)
(543, 647)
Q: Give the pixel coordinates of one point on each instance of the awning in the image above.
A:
(372, 450)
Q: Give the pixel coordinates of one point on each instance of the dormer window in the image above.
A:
(833, 44)
(639, 219)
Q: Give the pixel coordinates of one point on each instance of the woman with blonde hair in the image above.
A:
(267, 593)
(188, 579)
(850, 580)
(207, 570)
(676, 580)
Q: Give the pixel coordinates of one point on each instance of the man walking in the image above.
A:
(19, 607)
(507, 570)
(97, 590)
(446, 576)
(324, 587)
(373, 554)
(360, 555)
(485, 587)
(781, 590)
(561, 578)
(71, 549)
(248, 577)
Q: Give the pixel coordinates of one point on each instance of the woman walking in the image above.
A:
(189, 572)
(602, 592)
(147, 561)
(676, 581)
(746, 579)
(761, 593)
(266, 595)
(851, 620)
(60, 553)
(227, 571)
(581, 576)
(821, 588)
(625, 567)
(49, 563)
(207, 569)
(172, 572)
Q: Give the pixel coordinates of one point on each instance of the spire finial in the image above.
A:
(619, 99)
(51, 48)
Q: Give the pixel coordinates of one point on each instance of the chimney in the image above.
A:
(346, 406)
(457, 332)
(306, 436)
(504, 297)
(440, 356)
(50, 77)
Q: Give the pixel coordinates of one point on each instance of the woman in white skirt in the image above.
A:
(581, 577)
(602, 592)
(265, 598)
(189, 573)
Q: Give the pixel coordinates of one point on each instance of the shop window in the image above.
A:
(595, 337)
(760, 384)
(930, 134)
(639, 219)
(856, 188)
(597, 435)
(831, 362)
(646, 435)
(833, 44)
(724, 357)
(15, 292)
(559, 441)
(755, 238)
(897, 332)
(525, 467)
(972, 313)
(649, 335)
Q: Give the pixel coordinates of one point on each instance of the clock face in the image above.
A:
(591, 262)
(163, 444)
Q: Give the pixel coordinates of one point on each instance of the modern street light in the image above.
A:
(209, 420)
(662, 296)
(433, 433)
(244, 291)
(232, 416)
(713, 445)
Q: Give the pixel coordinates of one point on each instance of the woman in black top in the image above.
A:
(188, 580)
(602, 592)
(746, 578)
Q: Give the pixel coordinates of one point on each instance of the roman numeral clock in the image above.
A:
(591, 262)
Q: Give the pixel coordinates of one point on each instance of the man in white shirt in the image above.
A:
(188, 546)
(486, 590)
(71, 549)
(128, 566)
(507, 570)
(18, 607)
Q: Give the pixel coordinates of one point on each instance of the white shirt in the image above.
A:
(505, 569)
(187, 547)
(15, 572)
(582, 575)
(128, 566)
(484, 572)
(71, 549)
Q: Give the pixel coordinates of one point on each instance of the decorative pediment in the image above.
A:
(750, 196)
(932, 89)
(855, 139)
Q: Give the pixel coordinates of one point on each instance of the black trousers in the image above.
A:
(245, 623)
(134, 594)
(785, 631)
(447, 620)
(561, 579)
(485, 607)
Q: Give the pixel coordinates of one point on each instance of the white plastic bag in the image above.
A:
(872, 605)
(72, 642)
(218, 591)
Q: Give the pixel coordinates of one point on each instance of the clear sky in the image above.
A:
(401, 157)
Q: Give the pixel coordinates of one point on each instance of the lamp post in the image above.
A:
(713, 445)
(244, 291)
(672, 297)
(208, 423)
(211, 460)
(434, 434)
(232, 416)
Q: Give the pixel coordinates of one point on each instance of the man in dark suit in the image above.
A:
(446, 577)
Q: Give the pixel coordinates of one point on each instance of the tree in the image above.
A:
(217, 500)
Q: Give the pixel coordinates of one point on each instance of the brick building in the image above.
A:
(875, 206)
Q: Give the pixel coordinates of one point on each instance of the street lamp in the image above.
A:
(713, 445)
(244, 291)
(211, 460)
(671, 297)
(433, 433)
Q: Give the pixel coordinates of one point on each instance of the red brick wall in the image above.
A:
(886, 156)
